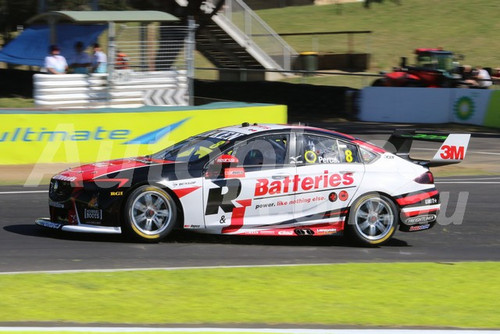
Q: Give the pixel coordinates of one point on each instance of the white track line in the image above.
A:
(466, 182)
(77, 271)
(21, 192)
(468, 152)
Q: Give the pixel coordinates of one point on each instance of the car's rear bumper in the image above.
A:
(419, 218)
(81, 228)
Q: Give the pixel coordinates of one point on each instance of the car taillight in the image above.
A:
(426, 178)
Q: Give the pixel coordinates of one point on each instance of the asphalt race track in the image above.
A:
(469, 232)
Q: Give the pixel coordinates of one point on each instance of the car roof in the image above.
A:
(248, 129)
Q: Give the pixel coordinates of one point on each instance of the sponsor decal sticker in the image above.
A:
(343, 195)
(236, 172)
(296, 183)
(50, 224)
(420, 227)
(92, 214)
(420, 219)
(226, 159)
(464, 108)
(93, 203)
(452, 152)
(325, 231)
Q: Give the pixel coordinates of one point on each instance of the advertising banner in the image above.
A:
(430, 105)
(28, 137)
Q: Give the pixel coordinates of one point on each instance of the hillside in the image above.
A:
(468, 27)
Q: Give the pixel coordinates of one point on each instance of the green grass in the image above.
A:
(16, 102)
(379, 294)
(468, 27)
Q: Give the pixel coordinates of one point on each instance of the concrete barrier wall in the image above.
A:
(127, 88)
(76, 136)
(429, 105)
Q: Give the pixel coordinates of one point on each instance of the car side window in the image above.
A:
(314, 149)
(269, 150)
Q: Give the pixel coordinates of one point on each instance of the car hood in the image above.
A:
(96, 170)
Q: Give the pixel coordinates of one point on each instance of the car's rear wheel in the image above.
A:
(150, 213)
(373, 219)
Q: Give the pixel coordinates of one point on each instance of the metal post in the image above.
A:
(190, 46)
(111, 56)
(53, 30)
(145, 66)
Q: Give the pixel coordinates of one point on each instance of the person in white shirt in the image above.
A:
(99, 60)
(483, 78)
(54, 62)
(80, 62)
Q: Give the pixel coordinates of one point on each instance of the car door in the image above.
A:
(246, 186)
(329, 171)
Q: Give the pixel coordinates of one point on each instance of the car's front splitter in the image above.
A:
(82, 228)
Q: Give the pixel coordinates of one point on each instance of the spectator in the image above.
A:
(54, 62)
(469, 76)
(483, 78)
(81, 60)
(99, 60)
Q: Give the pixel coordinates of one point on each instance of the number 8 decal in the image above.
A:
(348, 155)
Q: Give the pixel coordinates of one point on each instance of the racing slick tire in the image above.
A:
(373, 220)
(150, 214)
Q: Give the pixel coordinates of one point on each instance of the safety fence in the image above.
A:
(147, 65)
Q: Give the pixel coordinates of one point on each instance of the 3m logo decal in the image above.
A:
(452, 152)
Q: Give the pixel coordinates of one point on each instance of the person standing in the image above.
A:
(80, 62)
(483, 78)
(55, 63)
(99, 60)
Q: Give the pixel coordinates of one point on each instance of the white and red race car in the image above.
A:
(260, 179)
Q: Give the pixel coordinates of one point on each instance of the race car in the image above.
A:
(258, 179)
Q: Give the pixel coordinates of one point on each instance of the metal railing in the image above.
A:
(257, 34)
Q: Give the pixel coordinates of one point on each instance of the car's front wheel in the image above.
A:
(150, 213)
(373, 219)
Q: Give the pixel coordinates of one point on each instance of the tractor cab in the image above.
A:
(435, 59)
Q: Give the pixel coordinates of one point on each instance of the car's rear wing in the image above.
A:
(451, 151)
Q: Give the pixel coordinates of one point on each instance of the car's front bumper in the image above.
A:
(81, 228)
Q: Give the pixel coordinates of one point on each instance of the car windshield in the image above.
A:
(198, 147)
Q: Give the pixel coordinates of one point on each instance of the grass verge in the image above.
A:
(16, 102)
(378, 294)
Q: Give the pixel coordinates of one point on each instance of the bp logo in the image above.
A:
(464, 108)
